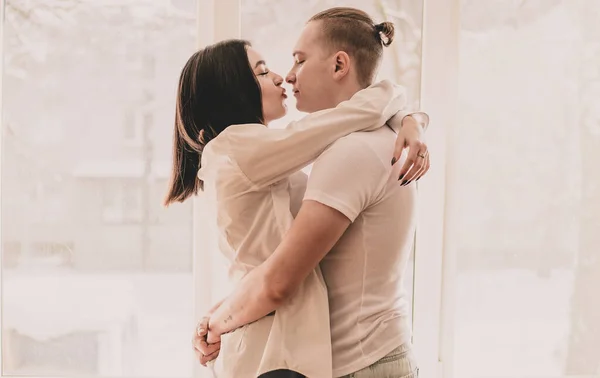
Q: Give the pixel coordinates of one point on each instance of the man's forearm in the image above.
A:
(216, 306)
(249, 301)
(314, 232)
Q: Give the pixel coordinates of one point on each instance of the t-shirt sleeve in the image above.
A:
(348, 177)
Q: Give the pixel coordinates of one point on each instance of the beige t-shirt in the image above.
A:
(246, 173)
(364, 271)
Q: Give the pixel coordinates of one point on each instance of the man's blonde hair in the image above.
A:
(353, 31)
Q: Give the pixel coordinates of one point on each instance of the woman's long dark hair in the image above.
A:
(217, 88)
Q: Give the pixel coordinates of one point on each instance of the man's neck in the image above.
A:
(345, 93)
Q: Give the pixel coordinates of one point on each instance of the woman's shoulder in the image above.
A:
(244, 129)
(216, 159)
(221, 150)
(226, 141)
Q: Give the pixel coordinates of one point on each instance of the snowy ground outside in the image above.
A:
(512, 323)
(509, 323)
(148, 317)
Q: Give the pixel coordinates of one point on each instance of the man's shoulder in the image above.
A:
(382, 136)
(374, 145)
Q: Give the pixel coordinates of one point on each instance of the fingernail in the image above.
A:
(393, 161)
(403, 183)
(401, 176)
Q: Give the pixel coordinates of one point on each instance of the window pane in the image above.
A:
(273, 27)
(525, 184)
(97, 275)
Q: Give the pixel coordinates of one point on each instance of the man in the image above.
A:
(356, 220)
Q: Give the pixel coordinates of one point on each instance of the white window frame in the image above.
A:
(217, 20)
(434, 262)
(1, 142)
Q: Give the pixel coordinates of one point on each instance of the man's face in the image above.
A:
(312, 73)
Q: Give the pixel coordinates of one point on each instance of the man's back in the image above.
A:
(364, 271)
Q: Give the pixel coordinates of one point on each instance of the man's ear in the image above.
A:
(342, 65)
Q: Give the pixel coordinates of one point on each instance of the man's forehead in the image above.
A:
(308, 38)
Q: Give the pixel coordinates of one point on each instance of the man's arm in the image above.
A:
(343, 182)
(314, 232)
(203, 351)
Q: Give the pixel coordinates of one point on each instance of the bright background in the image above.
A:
(98, 280)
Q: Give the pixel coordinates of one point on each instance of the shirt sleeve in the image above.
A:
(266, 156)
(396, 121)
(348, 177)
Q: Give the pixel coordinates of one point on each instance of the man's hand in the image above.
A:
(213, 338)
(411, 135)
(204, 350)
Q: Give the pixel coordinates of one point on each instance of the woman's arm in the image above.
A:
(411, 132)
(266, 156)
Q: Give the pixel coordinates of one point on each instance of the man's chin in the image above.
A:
(303, 108)
(311, 107)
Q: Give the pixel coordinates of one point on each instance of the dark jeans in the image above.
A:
(281, 373)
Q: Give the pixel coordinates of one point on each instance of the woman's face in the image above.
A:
(273, 95)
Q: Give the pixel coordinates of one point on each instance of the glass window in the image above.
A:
(97, 276)
(526, 181)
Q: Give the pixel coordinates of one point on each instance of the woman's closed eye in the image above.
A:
(264, 73)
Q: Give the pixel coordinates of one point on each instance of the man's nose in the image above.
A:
(290, 78)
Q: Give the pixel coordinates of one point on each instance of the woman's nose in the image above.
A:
(278, 80)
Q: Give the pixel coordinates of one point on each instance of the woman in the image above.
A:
(225, 99)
